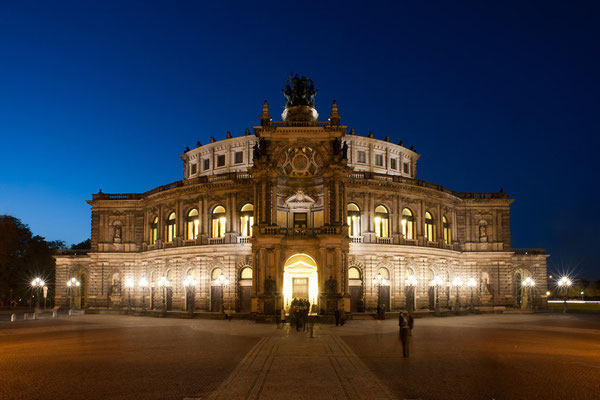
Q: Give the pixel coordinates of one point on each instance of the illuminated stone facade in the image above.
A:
(301, 208)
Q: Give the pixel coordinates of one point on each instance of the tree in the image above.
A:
(22, 258)
(85, 245)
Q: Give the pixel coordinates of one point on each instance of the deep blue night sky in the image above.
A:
(492, 94)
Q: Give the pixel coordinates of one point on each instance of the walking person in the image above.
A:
(378, 311)
(282, 318)
(404, 333)
(342, 317)
(411, 323)
(337, 317)
(383, 312)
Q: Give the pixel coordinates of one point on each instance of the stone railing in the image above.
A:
(365, 175)
(219, 240)
(384, 240)
(243, 239)
(529, 251)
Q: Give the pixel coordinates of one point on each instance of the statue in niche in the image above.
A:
(117, 234)
(255, 152)
(330, 286)
(483, 232)
(270, 286)
(115, 288)
(345, 151)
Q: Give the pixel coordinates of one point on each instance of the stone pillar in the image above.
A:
(263, 202)
(326, 210)
(274, 201)
(337, 202)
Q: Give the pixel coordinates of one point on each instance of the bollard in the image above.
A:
(70, 313)
(13, 317)
(25, 317)
(35, 315)
(54, 314)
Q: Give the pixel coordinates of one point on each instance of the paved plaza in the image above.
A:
(511, 356)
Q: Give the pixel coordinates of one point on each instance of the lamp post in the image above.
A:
(143, 285)
(378, 282)
(129, 285)
(457, 283)
(528, 284)
(71, 285)
(436, 282)
(472, 283)
(222, 282)
(163, 283)
(190, 290)
(37, 284)
(564, 284)
(411, 284)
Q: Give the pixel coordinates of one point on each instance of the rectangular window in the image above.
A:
(206, 165)
(194, 169)
(300, 220)
(392, 163)
(220, 160)
(379, 160)
(406, 168)
(362, 157)
(239, 157)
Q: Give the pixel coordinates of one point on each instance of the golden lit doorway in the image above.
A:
(300, 279)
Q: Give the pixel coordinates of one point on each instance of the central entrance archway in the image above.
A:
(300, 279)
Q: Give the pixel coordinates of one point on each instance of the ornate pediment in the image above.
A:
(300, 200)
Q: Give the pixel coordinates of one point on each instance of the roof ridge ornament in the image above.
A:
(334, 117)
(265, 117)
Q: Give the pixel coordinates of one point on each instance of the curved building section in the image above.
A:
(301, 208)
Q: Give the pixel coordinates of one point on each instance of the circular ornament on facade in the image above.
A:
(299, 162)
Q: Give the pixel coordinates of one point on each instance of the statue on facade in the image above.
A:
(299, 91)
(337, 146)
(330, 286)
(270, 286)
(117, 234)
(483, 231)
(255, 152)
(345, 151)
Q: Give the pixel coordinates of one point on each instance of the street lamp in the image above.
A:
(222, 282)
(411, 283)
(472, 283)
(581, 293)
(129, 285)
(457, 283)
(163, 283)
(71, 285)
(37, 284)
(143, 285)
(378, 282)
(436, 282)
(564, 284)
(528, 284)
(190, 291)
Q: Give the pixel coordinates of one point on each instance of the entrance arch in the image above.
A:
(300, 279)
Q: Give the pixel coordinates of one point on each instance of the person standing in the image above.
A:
(342, 317)
(282, 318)
(378, 311)
(404, 333)
(383, 312)
(411, 323)
(337, 317)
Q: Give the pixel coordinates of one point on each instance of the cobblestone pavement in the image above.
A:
(471, 357)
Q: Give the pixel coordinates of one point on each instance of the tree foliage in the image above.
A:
(22, 258)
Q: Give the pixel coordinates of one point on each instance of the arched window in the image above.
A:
(192, 221)
(170, 228)
(246, 220)
(216, 273)
(353, 273)
(384, 273)
(429, 227)
(246, 273)
(154, 230)
(447, 232)
(353, 220)
(218, 222)
(408, 224)
(382, 222)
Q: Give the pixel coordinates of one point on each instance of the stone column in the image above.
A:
(326, 210)
(273, 201)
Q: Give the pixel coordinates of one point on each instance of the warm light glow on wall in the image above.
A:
(300, 266)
